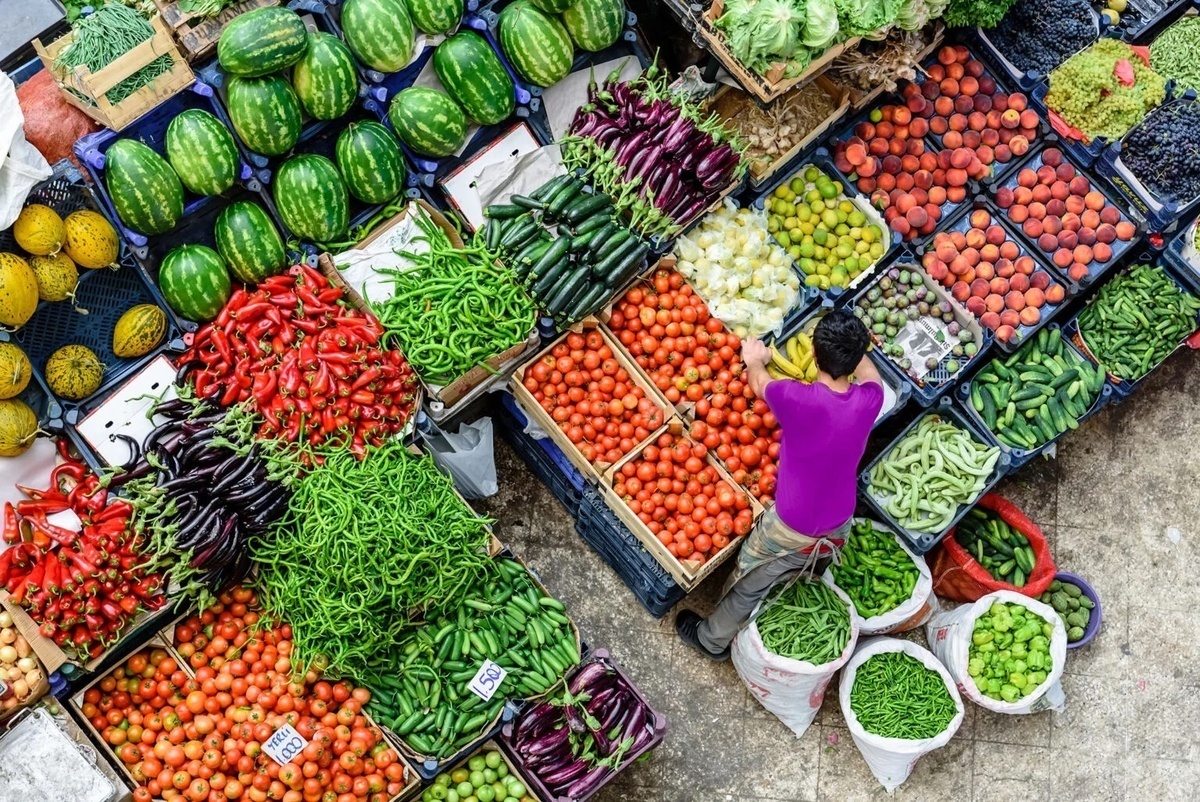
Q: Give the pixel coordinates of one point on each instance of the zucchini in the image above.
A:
(627, 268)
(603, 235)
(589, 205)
(552, 186)
(491, 235)
(517, 232)
(557, 251)
(586, 302)
(563, 198)
(564, 292)
(609, 265)
(613, 243)
(554, 272)
(503, 211)
(525, 202)
(596, 221)
(530, 254)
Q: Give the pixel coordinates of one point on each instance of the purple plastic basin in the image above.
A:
(1094, 620)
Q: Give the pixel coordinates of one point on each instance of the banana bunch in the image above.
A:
(798, 364)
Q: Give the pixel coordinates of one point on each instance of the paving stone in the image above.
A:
(1010, 773)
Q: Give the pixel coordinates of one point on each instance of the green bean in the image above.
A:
(1173, 54)
(807, 621)
(875, 571)
(101, 38)
(896, 696)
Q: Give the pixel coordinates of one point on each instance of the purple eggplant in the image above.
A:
(574, 719)
(563, 775)
(678, 134)
(715, 161)
(642, 740)
(649, 158)
(630, 147)
(635, 723)
(589, 782)
(609, 137)
(548, 743)
(542, 714)
(693, 156)
(670, 184)
(616, 713)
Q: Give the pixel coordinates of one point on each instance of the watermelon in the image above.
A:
(311, 198)
(435, 16)
(536, 44)
(325, 79)
(261, 42)
(265, 113)
(369, 159)
(379, 32)
(594, 24)
(249, 242)
(473, 75)
(194, 281)
(553, 6)
(428, 121)
(143, 187)
(202, 153)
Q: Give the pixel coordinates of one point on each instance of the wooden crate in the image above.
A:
(593, 472)
(94, 85)
(860, 99)
(772, 85)
(686, 572)
(197, 36)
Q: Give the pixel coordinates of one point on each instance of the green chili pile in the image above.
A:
(896, 696)
(453, 308)
(380, 540)
(808, 621)
(101, 38)
(875, 572)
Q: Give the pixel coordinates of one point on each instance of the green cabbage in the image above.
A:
(821, 28)
(861, 17)
(762, 31)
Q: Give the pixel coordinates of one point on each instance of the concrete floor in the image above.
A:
(1120, 506)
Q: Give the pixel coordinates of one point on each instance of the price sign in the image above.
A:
(922, 339)
(284, 745)
(487, 680)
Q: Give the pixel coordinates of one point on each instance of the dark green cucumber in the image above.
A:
(586, 302)
(615, 258)
(566, 289)
(503, 211)
(548, 189)
(557, 251)
(544, 283)
(563, 198)
(595, 221)
(522, 264)
(525, 202)
(517, 232)
(614, 242)
(588, 205)
(627, 269)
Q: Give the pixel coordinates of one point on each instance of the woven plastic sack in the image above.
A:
(949, 635)
(914, 611)
(52, 125)
(957, 575)
(791, 689)
(891, 760)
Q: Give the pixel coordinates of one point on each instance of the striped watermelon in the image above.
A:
(428, 121)
(380, 32)
(536, 44)
(201, 151)
(435, 16)
(265, 113)
(143, 187)
(262, 41)
(369, 159)
(473, 75)
(311, 198)
(325, 79)
(553, 6)
(249, 242)
(194, 281)
(594, 24)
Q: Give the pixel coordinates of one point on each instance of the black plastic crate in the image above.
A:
(1183, 254)
(922, 542)
(1027, 80)
(1082, 153)
(1095, 269)
(543, 457)
(639, 570)
(1142, 20)
(151, 130)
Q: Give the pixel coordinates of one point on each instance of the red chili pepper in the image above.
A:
(45, 505)
(117, 509)
(32, 583)
(69, 470)
(12, 529)
(56, 533)
(90, 587)
(130, 605)
(53, 576)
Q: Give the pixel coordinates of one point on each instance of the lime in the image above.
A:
(812, 173)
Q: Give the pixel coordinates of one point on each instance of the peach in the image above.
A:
(979, 288)
(1005, 269)
(916, 216)
(952, 140)
(1030, 316)
(946, 55)
(969, 85)
(1004, 197)
(1110, 215)
(958, 122)
(867, 184)
(989, 137)
(987, 86)
(919, 195)
(1078, 272)
(1055, 208)
(963, 104)
(1018, 144)
(1089, 219)
(930, 225)
(1068, 239)
(971, 139)
(890, 214)
(938, 126)
(998, 286)
(904, 182)
(1027, 177)
(880, 199)
(918, 128)
(1070, 222)
(977, 121)
(985, 154)
(983, 103)
(1075, 204)
(976, 306)
(975, 239)
(935, 72)
(961, 291)
(999, 99)
(1032, 228)
(943, 158)
(959, 266)
(1035, 296)
(1009, 250)
(868, 168)
(890, 164)
(885, 181)
(961, 158)
(1017, 101)
(1083, 254)
(975, 69)
(885, 129)
(985, 271)
(1003, 152)
(994, 303)
(1079, 185)
(929, 89)
(958, 238)
(1010, 118)
(910, 163)
(1039, 280)
(1010, 318)
(945, 250)
(980, 218)
(928, 258)
(956, 194)
(900, 225)
(1047, 242)
(1087, 236)
(1106, 233)
(1102, 252)
(1023, 196)
(1019, 282)
(1005, 333)
(929, 161)
(856, 154)
(923, 179)
(969, 276)
(840, 162)
(1024, 264)
(1064, 172)
(878, 147)
(1060, 190)
(989, 253)
(1052, 224)
(1018, 214)
(990, 320)
(896, 146)
(1029, 118)
(1046, 174)
(901, 114)
(937, 271)
(1042, 194)
(937, 194)
(1055, 294)
(1037, 210)
(1094, 201)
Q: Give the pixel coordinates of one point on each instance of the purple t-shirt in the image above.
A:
(824, 436)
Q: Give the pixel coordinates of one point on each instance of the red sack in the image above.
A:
(51, 123)
(957, 575)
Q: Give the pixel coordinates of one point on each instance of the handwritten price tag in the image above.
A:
(487, 680)
(284, 745)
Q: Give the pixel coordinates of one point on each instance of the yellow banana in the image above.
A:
(775, 372)
(793, 350)
(784, 364)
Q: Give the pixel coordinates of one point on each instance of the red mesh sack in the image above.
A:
(51, 123)
(957, 575)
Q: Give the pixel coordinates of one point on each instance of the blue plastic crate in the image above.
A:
(922, 542)
(1095, 269)
(820, 159)
(1161, 215)
(899, 389)
(937, 382)
(1083, 154)
(1188, 282)
(603, 531)
(543, 457)
(151, 130)
(1027, 80)
(1020, 456)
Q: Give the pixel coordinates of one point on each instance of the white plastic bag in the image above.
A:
(916, 610)
(791, 689)
(891, 760)
(468, 455)
(21, 165)
(949, 635)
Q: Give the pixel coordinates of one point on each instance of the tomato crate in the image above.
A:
(151, 130)
(922, 542)
(542, 455)
(896, 391)
(641, 572)
(1020, 456)
(1000, 191)
(655, 728)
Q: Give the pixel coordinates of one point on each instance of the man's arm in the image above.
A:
(865, 372)
(755, 356)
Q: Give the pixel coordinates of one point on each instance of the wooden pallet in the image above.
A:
(197, 36)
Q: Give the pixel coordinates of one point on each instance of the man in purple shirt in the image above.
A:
(825, 428)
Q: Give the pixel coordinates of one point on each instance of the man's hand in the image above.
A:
(755, 353)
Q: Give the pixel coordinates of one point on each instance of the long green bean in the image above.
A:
(895, 696)
(381, 542)
(101, 38)
(1173, 53)
(807, 621)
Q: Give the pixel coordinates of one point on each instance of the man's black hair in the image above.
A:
(839, 342)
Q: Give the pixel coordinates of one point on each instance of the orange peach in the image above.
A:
(994, 303)
(1055, 294)
(1039, 280)
(976, 306)
(980, 218)
(990, 320)
(1010, 318)
(960, 291)
(1035, 296)
(1032, 228)
(1042, 194)
(1024, 264)
(1009, 250)
(1005, 333)
(1063, 257)
(1047, 242)
(1083, 254)
(1078, 272)
(1019, 282)
(985, 271)
(1102, 252)
(1030, 316)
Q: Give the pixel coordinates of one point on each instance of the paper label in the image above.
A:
(924, 338)
(487, 679)
(284, 745)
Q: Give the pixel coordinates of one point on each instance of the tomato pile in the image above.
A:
(594, 400)
(691, 357)
(683, 499)
(200, 738)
